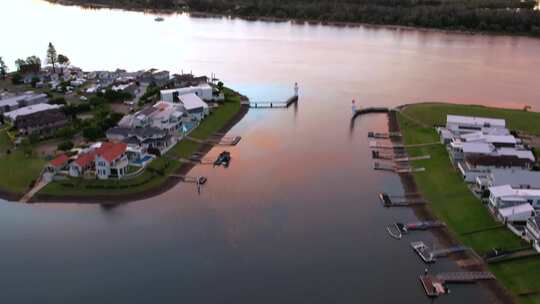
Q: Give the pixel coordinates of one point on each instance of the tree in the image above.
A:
(63, 60)
(52, 57)
(65, 146)
(3, 69)
(32, 64)
(92, 133)
(220, 86)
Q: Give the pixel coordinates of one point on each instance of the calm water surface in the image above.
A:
(295, 219)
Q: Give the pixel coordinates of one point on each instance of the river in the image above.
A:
(296, 218)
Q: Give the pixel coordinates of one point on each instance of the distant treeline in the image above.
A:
(508, 16)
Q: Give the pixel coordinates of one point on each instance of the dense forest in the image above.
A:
(508, 16)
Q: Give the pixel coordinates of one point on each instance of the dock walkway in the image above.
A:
(272, 104)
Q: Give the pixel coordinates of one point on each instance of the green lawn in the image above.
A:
(17, 170)
(435, 113)
(451, 200)
(158, 170)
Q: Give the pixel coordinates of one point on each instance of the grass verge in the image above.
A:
(450, 198)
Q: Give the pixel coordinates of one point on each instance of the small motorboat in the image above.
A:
(423, 251)
(202, 180)
(395, 231)
(159, 19)
(224, 159)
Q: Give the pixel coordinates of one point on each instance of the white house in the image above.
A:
(519, 213)
(194, 106)
(111, 160)
(505, 196)
(203, 91)
(163, 115)
(467, 124)
(521, 179)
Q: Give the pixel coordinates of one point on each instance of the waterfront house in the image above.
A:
(163, 115)
(57, 164)
(521, 179)
(111, 160)
(518, 214)
(203, 91)
(467, 124)
(479, 164)
(82, 164)
(194, 106)
(142, 138)
(505, 196)
(40, 119)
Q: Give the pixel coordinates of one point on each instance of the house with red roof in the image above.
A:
(57, 164)
(81, 164)
(111, 160)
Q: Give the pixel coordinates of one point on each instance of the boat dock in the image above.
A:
(396, 169)
(215, 140)
(447, 251)
(200, 180)
(272, 104)
(370, 110)
(388, 135)
(400, 201)
(434, 285)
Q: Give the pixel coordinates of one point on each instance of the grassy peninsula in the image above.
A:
(450, 200)
(500, 16)
(156, 175)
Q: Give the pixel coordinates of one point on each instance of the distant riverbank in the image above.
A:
(526, 21)
(449, 198)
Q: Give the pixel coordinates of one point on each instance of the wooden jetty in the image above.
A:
(413, 158)
(388, 135)
(396, 169)
(465, 277)
(273, 104)
(400, 201)
(432, 285)
(225, 141)
(435, 285)
(190, 179)
(370, 110)
(450, 250)
(374, 145)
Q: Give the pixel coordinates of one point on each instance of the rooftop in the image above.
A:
(192, 101)
(475, 121)
(30, 110)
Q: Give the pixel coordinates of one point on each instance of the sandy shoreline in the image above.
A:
(499, 294)
(169, 183)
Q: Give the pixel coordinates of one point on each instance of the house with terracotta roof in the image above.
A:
(111, 160)
(57, 164)
(83, 163)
